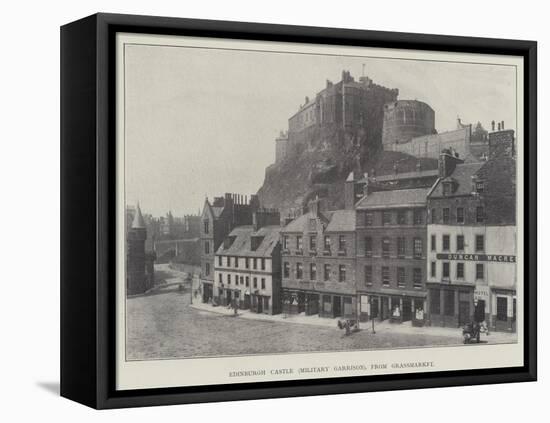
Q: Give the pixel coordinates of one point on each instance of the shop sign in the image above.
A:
(495, 258)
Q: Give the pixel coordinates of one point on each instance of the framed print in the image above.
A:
(255, 211)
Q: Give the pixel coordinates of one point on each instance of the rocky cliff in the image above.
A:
(319, 165)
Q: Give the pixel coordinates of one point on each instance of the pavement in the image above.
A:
(379, 326)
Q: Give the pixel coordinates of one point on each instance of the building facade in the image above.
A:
(391, 254)
(218, 219)
(247, 271)
(472, 240)
(318, 263)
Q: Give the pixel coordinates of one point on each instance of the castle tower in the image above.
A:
(406, 119)
(135, 255)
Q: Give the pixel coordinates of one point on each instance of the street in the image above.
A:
(162, 324)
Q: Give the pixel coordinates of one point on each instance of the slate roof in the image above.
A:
(394, 198)
(138, 221)
(301, 223)
(462, 178)
(342, 221)
(241, 245)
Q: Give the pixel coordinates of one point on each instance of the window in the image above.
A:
(446, 215)
(418, 248)
(327, 242)
(246, 262)
(342, 243)
(417, 217)
(369, 219)
(385, 276)
(313, 271)
(401, 247)
(299, 242)
(326, 272)
(401, 277)
(460, 270)
(299, 271)
(220, 278)
(285, 242)
(229, 279)
(207, 269)
(433, 242)
(206, 226)
(247, 281)
(433, 215)
(220, 261)
(417, 278)
(263, 283)
(435, 301)
(449, 303)
(368, 246)
(459, 215)
(446, 269)
(401, 217)
(446, 242)
(480, 215)
(228, 261)
(368, 275)
(255, 283)
(502, 309)
(241, 280)
(286, 269)
(386, 218)
(312, 242)
(480, 186)
(342, 273)
(262, 260)
(206, 247)
(255, 263)
(480, 271)
(447, 188)
(432, 269)
(460, 243)
(480, 243)
(386, 248)
(236, 261)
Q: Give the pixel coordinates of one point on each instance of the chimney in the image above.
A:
(502, 144)
(314, 206)
(265, 217)
(498, 126)
(493, 125)
(254, 202)
(447, 163)
(502, 125)
(349, 192)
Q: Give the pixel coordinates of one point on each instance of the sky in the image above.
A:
(202, 122)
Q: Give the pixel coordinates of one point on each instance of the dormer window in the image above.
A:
(480, 186)
(447, 188)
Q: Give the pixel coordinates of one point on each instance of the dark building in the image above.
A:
(472, 239)
(391, 254)
(407, 119)
(139, 263)
(318, 263)
(356, 107)
(217, 221)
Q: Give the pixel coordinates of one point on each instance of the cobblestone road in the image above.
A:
(163, 325)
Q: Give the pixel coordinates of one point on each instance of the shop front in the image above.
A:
(398, 307)
(207, 291)
(450, 305)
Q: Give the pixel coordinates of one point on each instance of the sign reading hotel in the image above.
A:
(499, 258)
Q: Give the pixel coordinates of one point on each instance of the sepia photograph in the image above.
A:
(291, 201)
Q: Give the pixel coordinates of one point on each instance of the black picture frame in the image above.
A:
(88, 209)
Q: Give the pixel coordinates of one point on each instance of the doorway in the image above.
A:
(407, 309)
(336, 306)
(463, 312)
(479, 312)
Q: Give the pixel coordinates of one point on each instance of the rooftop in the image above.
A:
(394, 198)
(241, 246)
